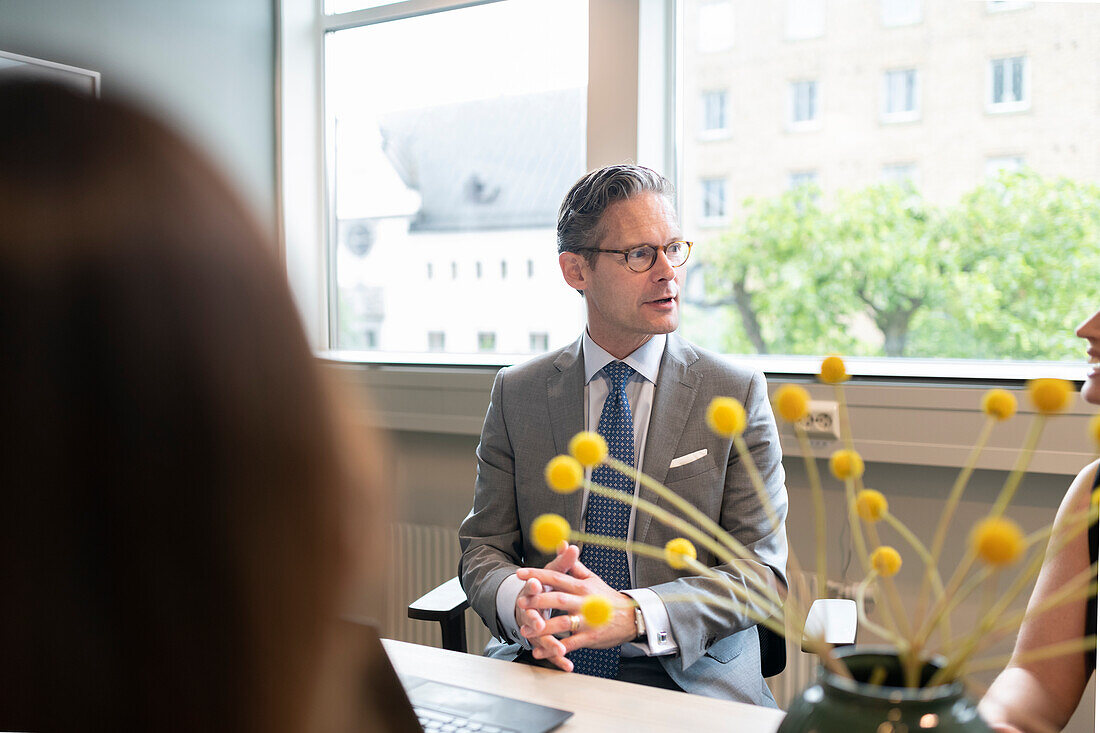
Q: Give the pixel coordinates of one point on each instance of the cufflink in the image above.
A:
(662, 637)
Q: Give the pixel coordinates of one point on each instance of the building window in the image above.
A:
(538, 342)
(714, 200)
(901, 174)
(486, 341)
(901, 12)
(715, 26)
(805, 19)
(804, 104)
(503, 269)
(900, 96)
(1000, 6)
(1008, 84)
(798, 179)
(441, 159)
(1003, 164)
(370, 339)
(530, 269)
(437, 341)
(714, 113)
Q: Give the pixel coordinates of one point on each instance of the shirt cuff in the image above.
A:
(658, 629)
(507, 594)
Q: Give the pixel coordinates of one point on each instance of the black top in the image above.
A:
(1090, 606)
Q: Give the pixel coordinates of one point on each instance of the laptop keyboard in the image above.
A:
(434, 721)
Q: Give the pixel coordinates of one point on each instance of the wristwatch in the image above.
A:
(639, 623)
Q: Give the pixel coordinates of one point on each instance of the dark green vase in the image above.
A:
(834, 704)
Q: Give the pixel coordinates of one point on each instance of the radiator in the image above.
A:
(425, 556)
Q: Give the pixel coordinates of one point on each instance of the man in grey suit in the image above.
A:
(620, 245)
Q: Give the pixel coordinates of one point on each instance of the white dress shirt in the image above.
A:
(646, 362)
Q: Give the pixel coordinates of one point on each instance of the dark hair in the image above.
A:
(583, 208)
(173, 472)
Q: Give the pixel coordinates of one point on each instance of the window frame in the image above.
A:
(616, 131)
(906, 115)
(1012, 106)
(810, 123)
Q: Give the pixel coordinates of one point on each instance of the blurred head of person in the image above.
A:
(175, 480)
(1090, 331)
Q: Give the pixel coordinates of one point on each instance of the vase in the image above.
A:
(836, 704)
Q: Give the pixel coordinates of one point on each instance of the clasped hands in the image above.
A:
(569, 582)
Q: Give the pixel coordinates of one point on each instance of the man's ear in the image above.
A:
(574, 269)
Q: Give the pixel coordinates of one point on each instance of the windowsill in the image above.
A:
(1007, 107)
(713, 222)
(804, 126)
(899, 118)
(915, 418)
(712, 135)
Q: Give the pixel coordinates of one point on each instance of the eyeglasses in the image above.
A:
(643, 257)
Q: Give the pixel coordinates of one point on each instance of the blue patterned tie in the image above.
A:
(607, 516)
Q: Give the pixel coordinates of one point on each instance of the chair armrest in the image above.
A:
(834, 618)
(440, 603)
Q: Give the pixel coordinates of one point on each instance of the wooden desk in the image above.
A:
(598, 705)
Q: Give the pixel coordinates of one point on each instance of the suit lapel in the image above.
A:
(673, 400)
(565, 392)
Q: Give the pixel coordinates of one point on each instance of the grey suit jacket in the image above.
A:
(537, 406)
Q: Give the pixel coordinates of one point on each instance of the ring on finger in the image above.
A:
(574, 623)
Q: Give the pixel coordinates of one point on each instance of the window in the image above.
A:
(901, 12)
(530, 269)
(805, 19)
(804, 104)
(786, 261)
(538, 343)
(797, 179)
(486, 341)
(714, 199)
(714, 113)
(715, 26)
(1008, 84)
(443, 157)
(370, 336)
(1000, 6)
(900, 96)
(902, 174)
(1003, 163)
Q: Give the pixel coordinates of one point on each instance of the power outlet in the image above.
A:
(823, 420)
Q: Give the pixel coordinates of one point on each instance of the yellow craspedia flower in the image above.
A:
(564, 474)
(886, 561)
(999, 403)
(589, 448)
(726, 416)
(871, 505)
(548, 531)
(1049, 395)
(596, 610)
(1094, 429)
(676, 550)
(846, 464)
(833, 370)
(791, 402)
(997, 541)
(1095, 499)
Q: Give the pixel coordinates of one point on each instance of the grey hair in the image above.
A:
(583, 208)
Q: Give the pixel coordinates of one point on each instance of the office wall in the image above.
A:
(206, 66)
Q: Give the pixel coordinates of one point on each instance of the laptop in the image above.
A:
(411, 704)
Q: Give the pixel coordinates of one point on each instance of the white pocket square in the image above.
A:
(683, 460)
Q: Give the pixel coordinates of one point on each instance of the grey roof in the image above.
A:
(495, 163)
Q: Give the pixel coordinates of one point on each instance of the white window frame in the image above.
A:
(715, 133)
(714, 220)
(616, 131)
(907, 115)
(812, 123)
(1007, 6)
(899, 20)
(1023, 104)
